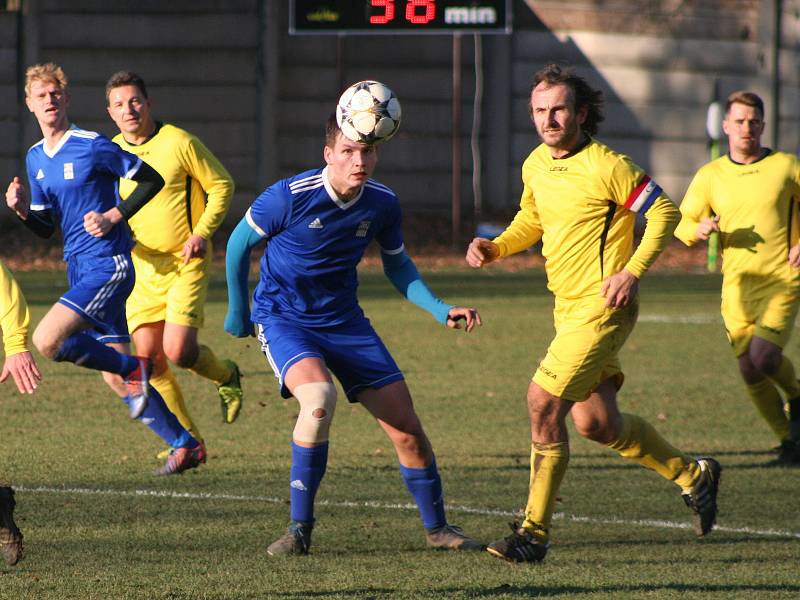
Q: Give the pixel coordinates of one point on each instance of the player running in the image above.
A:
(317, 226)
(73, 175)
(581, 199)
(19, 365)
(751, 197)
(173, 248)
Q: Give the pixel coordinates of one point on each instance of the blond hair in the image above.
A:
(747, 98)
(48, 73)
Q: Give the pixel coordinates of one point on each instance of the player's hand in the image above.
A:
(481, 252)
(706, 227)
(195, 247)
(238, 324)
(23, 369)
(470, 317)
(794, 256)
(97, 224)
(17, 198)
(620, 289)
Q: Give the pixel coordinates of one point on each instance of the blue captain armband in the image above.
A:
(403, 274)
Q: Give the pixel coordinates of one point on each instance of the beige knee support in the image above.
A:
(317, 403)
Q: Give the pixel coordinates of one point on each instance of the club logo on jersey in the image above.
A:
(363, 227)
(560, 169)
(315, 224)
(69, 173)
(40, 174)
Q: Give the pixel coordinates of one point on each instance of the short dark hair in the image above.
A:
(332, 131)
(583, 93)
(121, 78)
(746, 98)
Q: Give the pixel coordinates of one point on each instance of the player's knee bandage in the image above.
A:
(317, 403)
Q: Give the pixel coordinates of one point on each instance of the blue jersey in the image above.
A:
(315, 241)
(81, 174)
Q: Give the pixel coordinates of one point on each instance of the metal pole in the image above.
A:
(456, 180)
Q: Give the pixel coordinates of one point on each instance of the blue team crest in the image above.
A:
(363, 227)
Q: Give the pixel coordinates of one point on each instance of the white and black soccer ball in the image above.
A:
(368, 112)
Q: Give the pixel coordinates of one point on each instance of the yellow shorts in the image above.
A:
(167, 290)
(584, 352)
(769, 315)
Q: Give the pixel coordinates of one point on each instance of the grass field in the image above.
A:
(98, 525)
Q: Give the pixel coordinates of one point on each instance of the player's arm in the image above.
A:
(109, 157)
(697, 221)
(403, 274)
(39, 221)
(215, 180)
(237, 269)
(525, 229)
(14, 321)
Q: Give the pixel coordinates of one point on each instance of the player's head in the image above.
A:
(350, 163)
(744, 123)
(563, 106)
(128, 104)
(46, 94)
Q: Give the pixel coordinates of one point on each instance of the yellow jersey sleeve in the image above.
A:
(196, 194)
(14, 315)
(525, 230)
(695, 207)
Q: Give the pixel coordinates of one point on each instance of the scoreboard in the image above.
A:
(399, 16)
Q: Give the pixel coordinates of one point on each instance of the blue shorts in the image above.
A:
(353, 352)
(98, 288)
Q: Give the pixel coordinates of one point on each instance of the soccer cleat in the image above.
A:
(788, 454)
(230, 394)
(451, 537)
(183, 459)
(521, 546)
(138, 384)
(296, 540)
(702, 498)
(794, 419)
(10, 535)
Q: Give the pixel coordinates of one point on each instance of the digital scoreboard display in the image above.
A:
(399, 16)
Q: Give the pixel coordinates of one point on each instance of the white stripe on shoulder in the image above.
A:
(379, 186)
(39, 143)
(77, 131)
(308, 186)
(393, 252)
(249, 218)
(307, 183)
(133, 170)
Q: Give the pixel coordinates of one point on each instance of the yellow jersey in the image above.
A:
(583, 208)
(757, 209)
(180, 209)
(14, 315)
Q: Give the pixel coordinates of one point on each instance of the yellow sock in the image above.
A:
(786, 379)
(548, 466)
(209, 366)
(167, 386)
(641, 443)
(768, 401)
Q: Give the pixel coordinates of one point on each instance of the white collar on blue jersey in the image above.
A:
(343, 204)
(60, 144)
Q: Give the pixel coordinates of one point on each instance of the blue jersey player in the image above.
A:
(73, 176)
(305, 310)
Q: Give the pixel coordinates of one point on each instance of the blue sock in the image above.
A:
(426, 487)
(85, 351)
(163, 423)
(308, 469)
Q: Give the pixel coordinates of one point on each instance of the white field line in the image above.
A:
(696, 319)
(658, 524)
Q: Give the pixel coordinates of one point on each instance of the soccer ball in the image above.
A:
(368, 112)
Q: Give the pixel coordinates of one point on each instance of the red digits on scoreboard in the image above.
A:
(412, 16)
(417, 19)
(388, 13)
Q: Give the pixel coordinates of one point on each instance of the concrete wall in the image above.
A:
(228, 71)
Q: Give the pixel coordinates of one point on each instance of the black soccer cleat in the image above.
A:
(702, 498)
(296, 540)
(521, 546)
(10, 535)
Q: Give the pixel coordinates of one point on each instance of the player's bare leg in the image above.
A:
(392, 407)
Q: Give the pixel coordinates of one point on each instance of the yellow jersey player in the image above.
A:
(750, 196)
(19, 364)
(173, 247)
(580, 198)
